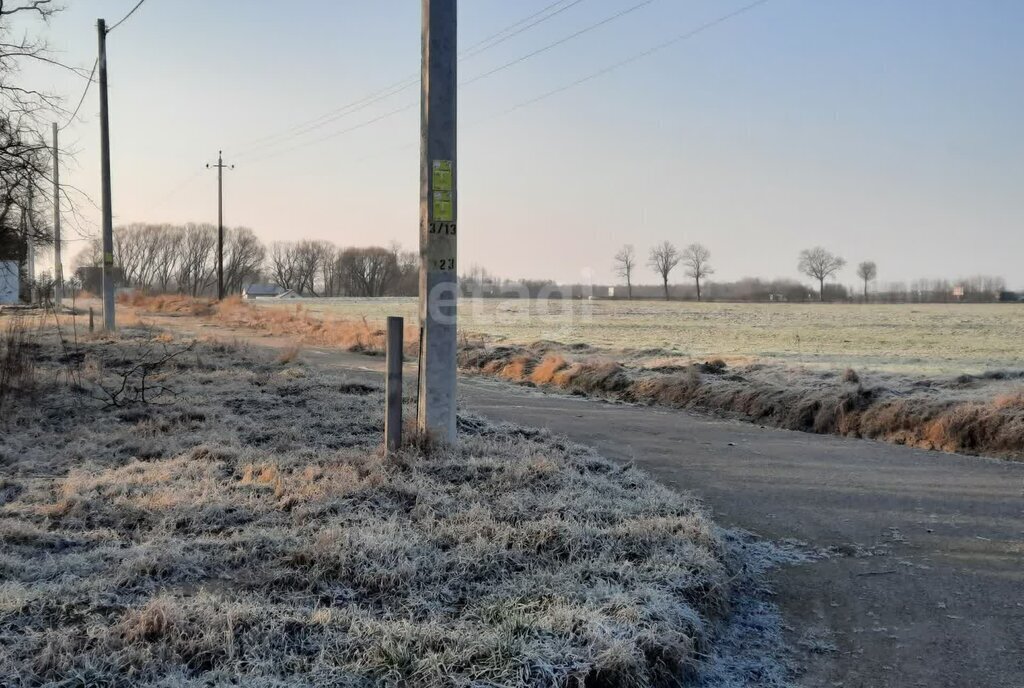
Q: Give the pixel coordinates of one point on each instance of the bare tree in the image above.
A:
(663, 259)
(283, 266)
(196, 269)
(820, 264)
(130, 253)
(308, 256)
(867, 271)
(407, 282)
(695, 258)
(330, 270)
(89, 256)
(169, 240)
(25, 190)
(243, 257)
(625, 262)
(368, 271)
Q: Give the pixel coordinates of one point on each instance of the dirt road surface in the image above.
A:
(925, 583)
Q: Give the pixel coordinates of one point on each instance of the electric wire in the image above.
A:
(82, 99)
(127, 16)
(637, 56)
(559, 42)
(473, 80)
(397, 87)
(95, 64)
(486, 43)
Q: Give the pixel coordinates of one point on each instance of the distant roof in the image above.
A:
(263, 290)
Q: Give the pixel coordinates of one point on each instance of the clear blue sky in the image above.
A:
(881, 129)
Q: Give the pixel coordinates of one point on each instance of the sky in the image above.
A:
(880, 130)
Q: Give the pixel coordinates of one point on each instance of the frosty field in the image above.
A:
(190, 513)
(930, 339)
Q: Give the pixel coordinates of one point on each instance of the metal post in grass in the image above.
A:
(436, 404)
(393, 391)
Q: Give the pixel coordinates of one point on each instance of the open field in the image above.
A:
(925, 340)
(948, 378)
(191, 514)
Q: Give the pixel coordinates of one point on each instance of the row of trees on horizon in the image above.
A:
(182, 259)
(817, 263)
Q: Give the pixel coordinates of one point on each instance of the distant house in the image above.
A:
(263, 291)
(1010, 297)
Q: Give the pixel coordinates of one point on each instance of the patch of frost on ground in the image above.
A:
(749, 649)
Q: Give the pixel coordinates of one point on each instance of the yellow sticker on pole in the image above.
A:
(443, 210)
(441, 179)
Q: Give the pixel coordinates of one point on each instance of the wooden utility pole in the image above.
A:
(439, 288)
(393, 391)
(58, 267)
(220, 221)
(108, 216)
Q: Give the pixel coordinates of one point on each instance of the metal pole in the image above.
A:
(436, 414)
(220, 225)
(108, 217)
(220, 221)
(58, 267)
(393, 412)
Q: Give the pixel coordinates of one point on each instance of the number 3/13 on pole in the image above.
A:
(438, 222)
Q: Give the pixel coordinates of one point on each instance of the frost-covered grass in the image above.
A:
(244, 529)
(971, 414)
(928, 339)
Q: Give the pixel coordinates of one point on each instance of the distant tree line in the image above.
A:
(183, 259)
(818, 263)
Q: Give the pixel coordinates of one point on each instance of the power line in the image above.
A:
(636, 57)
(406, 83)
(84, 93)
(559, 42)
(92, 73)
(384, 94)
(606, 70)
(324, 120)
(304, 144)
(578, 82)
(476, 49)
(127, 16)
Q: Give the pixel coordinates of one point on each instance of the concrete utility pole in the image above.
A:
(220, 221)
(108, 216)
(438, 221)
(58, 268)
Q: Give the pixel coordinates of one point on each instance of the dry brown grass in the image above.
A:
(249, 532)
(352, 335)
(167, 304)
(840, 405)
(545, 371)
(18, 342)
